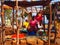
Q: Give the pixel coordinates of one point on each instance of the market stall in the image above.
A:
(19, 4)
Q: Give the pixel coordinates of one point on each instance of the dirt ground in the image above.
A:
(31, 42)
(24, 42)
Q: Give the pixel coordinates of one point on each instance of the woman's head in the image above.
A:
(26, 20)
(39, 14)
(33, 17)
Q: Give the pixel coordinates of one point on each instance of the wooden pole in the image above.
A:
(44, 19)
(22, 16)
(55, 25)
(3, 23)
(13, 20)
(1, 19)
(29, 15)
(17, 23)
(50, 22)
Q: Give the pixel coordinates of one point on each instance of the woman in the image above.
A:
(39, 17)
(33, 27)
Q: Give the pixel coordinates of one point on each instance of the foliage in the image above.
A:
(8, 13)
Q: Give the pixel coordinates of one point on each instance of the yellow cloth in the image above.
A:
(26, 24)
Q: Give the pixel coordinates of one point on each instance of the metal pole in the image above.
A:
(50, 22)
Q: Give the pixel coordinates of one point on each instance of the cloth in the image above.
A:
(31, 33)
(40, 26)
(26, 24)
(38, 18)
(33, 23)
(24, 30)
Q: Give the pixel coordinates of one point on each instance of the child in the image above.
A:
(26, 23)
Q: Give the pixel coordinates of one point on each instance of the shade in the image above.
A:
(27, 4)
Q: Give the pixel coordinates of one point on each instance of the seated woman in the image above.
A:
(33, 28)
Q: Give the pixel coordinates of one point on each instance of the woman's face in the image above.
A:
(39, 14)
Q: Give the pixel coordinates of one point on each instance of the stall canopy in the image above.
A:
(27, 3)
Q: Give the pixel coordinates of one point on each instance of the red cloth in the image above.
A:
(33, 23)
(38, 18)
(20, 36)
